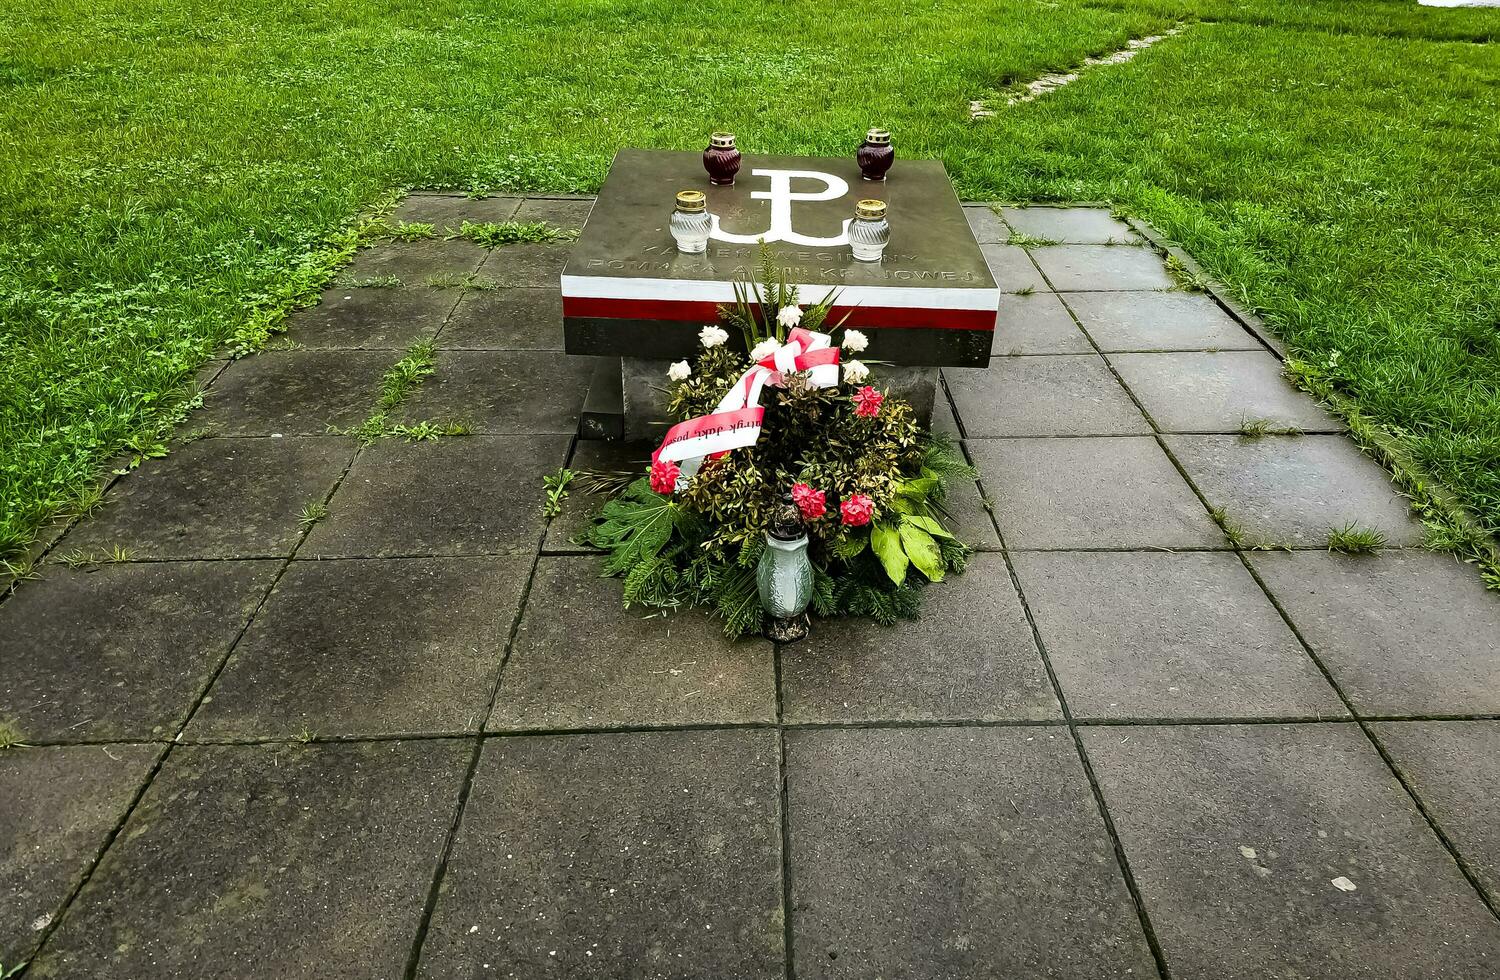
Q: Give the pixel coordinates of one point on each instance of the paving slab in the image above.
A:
(1154, 635)
(216, 498)
(1096, 267)
(1091, 493)
(448, 212)
(268, 861)
(1292, 490)
(1219, 392)
(370, 647)
(461, 495)
(986, 225)
(652, 854)
(1152, 321)
(526, 264)
(1038, 323)
(580, 660)
(1013, 269)
(1070, 226)
(1062, 395)
(944, 422)
(1236, 835)
(952, 852)
(1402, 633)
(568, 214)
(968, 516)
(507, 392)
(415, 263)
(970, 657)
(121, 651)
(295, 393)
(579, 507)
(1454, 767)
(371, 318)
(57, 807)
(506, 319)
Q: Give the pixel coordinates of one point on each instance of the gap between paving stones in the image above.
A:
(1101, 721)
(419, 940)
(161, 760)
(1407, 473)
(1361, 720)
(1121, 860)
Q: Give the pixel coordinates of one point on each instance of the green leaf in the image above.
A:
(823, 601)
(886, 542)
(923, 551)
(848, 546)
(919, 488)
(737, 598)
(927, 524)
(634, 527)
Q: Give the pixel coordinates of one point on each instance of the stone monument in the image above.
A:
(627, 291)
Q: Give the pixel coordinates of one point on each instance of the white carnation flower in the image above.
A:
(855, 341)
(679, 371)
(789, 316)
(855, 372)
(712, 336)
(765, 349)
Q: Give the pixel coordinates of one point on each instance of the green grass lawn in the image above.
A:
(174, 174)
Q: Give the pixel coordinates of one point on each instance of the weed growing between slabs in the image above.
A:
(170, 184)
(397, 384)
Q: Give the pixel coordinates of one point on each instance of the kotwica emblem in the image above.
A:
(781, 197)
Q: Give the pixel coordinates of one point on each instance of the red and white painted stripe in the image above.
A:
(697, 301)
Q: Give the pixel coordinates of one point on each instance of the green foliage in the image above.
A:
(634, 527)
(459, 280)
(1352, 539)
(411, 231)
(555, 486)
(702, 547)
(10, 736)
(406, 374)
(493, 234)
(428, 430)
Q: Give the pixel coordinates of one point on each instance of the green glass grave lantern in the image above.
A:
(785, 574)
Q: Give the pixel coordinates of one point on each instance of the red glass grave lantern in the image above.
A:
(876, 154)
(721, 159)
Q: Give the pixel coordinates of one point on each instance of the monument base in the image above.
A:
(644, 384)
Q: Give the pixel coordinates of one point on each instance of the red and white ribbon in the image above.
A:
(735, 423)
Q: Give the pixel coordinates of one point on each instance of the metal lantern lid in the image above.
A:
(869, 210)
(724, 141)
(786, 520)
(878, 136)
(692, 202)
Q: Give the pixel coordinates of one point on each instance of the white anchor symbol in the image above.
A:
(781, 197)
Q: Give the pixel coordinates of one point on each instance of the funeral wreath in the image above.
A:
(781, 442)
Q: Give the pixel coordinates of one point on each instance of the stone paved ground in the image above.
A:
(421, 739)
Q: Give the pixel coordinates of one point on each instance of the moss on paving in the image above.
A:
(174, 176)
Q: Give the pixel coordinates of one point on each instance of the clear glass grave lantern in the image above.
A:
(869, 232)
(690, 222)
(785, 574)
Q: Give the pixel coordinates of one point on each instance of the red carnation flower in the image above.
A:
(664, 476)
(812, 503)
(867, 402)
(857, 509)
